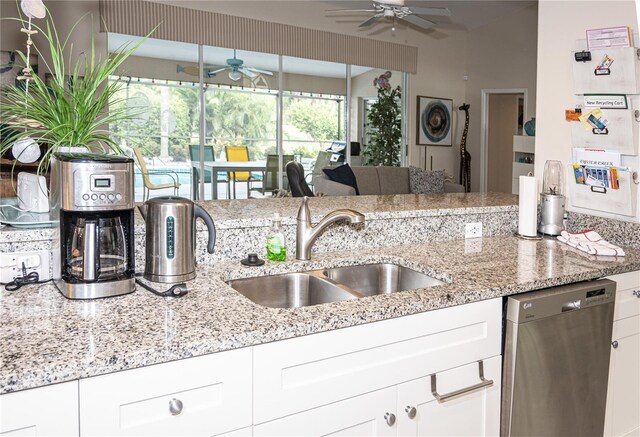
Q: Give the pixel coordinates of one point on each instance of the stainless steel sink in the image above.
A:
(290, 290)
(375, 279)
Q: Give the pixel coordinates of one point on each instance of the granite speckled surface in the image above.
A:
(617, 232)
(47, 339)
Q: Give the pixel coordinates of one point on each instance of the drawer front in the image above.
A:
(348, 362)
(364, 415)
(45, 411)
(627, 295)
(198, 396)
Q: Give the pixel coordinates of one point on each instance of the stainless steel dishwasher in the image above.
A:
(556, 360)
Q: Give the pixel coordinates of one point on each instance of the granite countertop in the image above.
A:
(47, 339)
(234, 214)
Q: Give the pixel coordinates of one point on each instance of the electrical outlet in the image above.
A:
(36, 261)
(473, 230)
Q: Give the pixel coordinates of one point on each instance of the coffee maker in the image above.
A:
(94, 199)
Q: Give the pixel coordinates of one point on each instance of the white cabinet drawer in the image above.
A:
(214, 392)
(45, 411)
(306, 372)
(362, 416)
(627, 295)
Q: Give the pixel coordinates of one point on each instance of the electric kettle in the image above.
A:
(171, 238)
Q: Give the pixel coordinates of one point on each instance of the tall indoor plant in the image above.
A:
(76, 104)
(385, 120)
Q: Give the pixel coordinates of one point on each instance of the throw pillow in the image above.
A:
(426, 181)
(342, 174)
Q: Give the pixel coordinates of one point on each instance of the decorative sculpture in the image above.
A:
(465, 156)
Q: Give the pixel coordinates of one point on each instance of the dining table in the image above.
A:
(229, 166)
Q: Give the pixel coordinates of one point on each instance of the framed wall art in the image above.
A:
(434, 121)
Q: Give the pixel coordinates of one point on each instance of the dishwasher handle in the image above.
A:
(448, 396)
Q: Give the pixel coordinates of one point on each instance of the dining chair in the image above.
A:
(146, 180)
(270, 181)
(322, 160)
(240, 154)
(209, 155)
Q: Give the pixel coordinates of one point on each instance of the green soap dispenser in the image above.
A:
(276, 243)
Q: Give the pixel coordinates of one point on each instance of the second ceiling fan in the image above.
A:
(237, 68)
(396, 10)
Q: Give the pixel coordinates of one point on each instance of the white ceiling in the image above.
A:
(216, 56)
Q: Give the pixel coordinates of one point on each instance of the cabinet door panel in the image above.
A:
(202, 396)
(347, 362)
(623, 397)
(476, 413)
(50, 411)
(628, 290)
(359, 416)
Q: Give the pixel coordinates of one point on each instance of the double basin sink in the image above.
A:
(316, 287)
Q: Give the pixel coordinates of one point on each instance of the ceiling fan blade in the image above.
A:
(417, 21)
(351, 10)
(371, 20)
(247, 72)
(257, 70)
(439, 12)
(217, 71)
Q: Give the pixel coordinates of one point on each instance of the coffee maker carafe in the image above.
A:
(94, 198)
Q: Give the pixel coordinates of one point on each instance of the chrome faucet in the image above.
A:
(306, 234)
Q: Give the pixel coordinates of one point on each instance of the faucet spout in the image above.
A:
(306, 234)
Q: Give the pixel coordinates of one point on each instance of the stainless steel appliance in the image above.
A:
(94, 202)
(552, 199)
(171, 238)
(556, 360)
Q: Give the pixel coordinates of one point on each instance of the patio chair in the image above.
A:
(270, 181)
(322, 160)
(146, 180)
(240, 154)
(209, 155)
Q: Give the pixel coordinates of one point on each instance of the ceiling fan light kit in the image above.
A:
(235, 75)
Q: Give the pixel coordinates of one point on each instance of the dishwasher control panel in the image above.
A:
(552, 301)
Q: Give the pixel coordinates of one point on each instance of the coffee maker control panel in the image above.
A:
(97, 190)
(94, 185)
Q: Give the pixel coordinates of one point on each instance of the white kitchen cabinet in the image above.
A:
(51, 410)
(372, 414)
(205, 396)
(307, 372)
(472, 413)
(623, 395)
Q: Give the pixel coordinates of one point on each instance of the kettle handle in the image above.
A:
(198, 211)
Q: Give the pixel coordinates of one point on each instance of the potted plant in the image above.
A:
(76, 103)
(384, 118)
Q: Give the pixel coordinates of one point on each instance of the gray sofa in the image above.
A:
(374, 181)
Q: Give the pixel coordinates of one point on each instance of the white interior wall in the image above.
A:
(500, 55)
(560, 24)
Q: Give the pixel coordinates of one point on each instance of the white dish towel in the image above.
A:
(590, 242)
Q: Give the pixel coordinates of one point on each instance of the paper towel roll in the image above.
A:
(528, 206)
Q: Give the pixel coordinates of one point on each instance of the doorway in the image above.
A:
(503, 113)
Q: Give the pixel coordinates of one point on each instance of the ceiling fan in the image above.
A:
(237, 68)
(396, 10)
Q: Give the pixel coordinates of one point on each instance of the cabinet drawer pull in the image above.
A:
(636, 293)
(614, 344)
(175, 406)
(448, 396)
